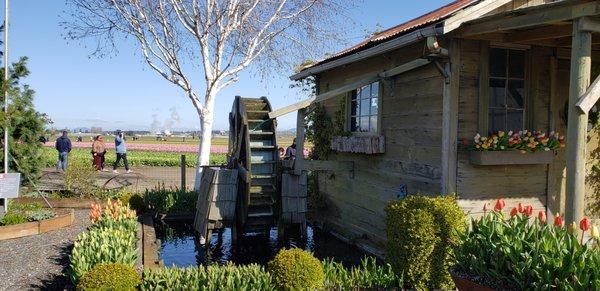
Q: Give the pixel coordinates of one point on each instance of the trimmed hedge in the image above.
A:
(110, 277)
(420, 230)
(296, 269)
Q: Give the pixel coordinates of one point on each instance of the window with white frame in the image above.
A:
(506, 99)
(364, 108)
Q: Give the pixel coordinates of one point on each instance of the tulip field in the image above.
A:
(135, 157)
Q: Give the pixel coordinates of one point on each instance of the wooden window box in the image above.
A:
(359, 144)
(492, 158)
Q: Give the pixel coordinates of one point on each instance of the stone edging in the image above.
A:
(64, 218)
(150, 245)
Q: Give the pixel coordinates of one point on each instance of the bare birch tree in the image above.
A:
(184, 39)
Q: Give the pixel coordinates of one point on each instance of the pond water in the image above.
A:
(180, 247)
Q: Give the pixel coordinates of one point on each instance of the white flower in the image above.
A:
(510, 133)
(546, 149)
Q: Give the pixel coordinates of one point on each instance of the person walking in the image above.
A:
(63, 146)
(121, 150)
(98, 151)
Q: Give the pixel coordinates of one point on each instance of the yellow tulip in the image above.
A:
(595, 233)
(572, 228)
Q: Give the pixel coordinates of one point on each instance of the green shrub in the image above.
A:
(80, 178)
(110, 277)
(13, 218)
(214, 277)
(420, 230)
(25, 207)
(115, 244)
(40, 214)
(521, 254)
(296, 269)
(165, 200)
(134, 200)
(369, 275)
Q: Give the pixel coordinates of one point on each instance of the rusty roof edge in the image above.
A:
(392, 44)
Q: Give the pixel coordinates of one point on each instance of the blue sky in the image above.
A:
(120, 91)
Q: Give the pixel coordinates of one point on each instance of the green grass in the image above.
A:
(283, 141)
(135, 158)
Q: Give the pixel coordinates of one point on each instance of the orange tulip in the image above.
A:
(514, 211)
(558, 221)
(585, 224)
(542, 217)
(500, 204)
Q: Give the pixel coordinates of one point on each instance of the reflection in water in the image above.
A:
(179, 246)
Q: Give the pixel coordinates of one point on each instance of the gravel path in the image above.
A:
(38, 262)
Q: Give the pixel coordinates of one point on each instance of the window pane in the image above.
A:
(514, 120)
(374, 106)
(514, 96)
(365, 92)
(354, 107)
(497, 97)
(365, 106)
(373, 127)
(516, 64)
(364, 124)
(497, 62)
(375, 90)
(496, 120)
(353, 124)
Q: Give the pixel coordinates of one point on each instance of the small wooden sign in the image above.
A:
(9, 185)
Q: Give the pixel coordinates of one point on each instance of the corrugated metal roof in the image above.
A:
(428, 18)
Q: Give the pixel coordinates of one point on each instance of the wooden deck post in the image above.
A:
(581, 63)
(299, 162)
(450, 121)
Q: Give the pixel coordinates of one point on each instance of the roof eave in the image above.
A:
(401, 41)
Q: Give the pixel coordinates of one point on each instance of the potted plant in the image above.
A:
(520, 251)
(520, 148)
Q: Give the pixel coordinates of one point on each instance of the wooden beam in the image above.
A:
(450, 120)
(291, 108)
(532, 16)
(542, 33)
(589, 99)
(404, 68)
(244, 174)
(589, 24)
(581, 64)
(471, 13)
(299, 160)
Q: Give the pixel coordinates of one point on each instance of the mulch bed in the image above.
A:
(40, 261)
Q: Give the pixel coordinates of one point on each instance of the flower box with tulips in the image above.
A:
(524, 251)
(521, 148)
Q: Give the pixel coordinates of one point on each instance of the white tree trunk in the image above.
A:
(204, 148)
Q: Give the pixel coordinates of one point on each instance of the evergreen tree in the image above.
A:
(25, 124)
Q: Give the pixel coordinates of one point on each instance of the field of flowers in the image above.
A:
(152, 147)
(135, 157)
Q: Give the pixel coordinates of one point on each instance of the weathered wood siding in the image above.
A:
(520, 183)
(411, 119)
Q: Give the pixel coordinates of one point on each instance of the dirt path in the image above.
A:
(143, 177)
(39, 262)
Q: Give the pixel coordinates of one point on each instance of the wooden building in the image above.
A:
(411, 94)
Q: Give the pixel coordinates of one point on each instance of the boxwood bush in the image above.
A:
(296, 269)
(110, 277)
(420, 231)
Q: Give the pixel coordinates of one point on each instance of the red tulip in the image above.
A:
(542, 217)
(514, 211)
(528, 210)
(558, 221)
(584, 224)
(500, 204)
(520, 208)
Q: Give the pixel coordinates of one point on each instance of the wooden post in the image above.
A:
(450, 120)
(581, 63)
(183, 168)
(299, 162)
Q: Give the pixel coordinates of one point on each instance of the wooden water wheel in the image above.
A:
(253, 150)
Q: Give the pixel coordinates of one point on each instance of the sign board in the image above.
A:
(9, 185)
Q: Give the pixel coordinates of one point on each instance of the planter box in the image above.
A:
(63, 218)
(510, 158)
(359, 144)
(463, 284)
